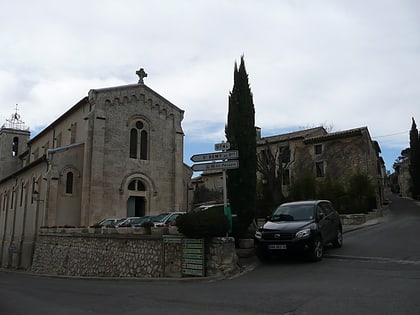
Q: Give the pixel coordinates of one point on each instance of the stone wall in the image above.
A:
(98, 255)
(361, 218)
(115, 255)
(222, 260)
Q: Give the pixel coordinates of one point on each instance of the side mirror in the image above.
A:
(267, 218)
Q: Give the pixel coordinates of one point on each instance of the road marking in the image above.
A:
(376, 259)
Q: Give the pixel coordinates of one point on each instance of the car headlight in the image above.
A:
(303, 233)
(258, 235)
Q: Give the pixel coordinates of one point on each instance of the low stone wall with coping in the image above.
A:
(361, 218)
(125, 256)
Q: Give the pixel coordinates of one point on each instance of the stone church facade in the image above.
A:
(118, 152)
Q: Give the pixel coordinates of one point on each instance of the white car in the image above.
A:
(108, 222)
(127, 222)
(167, 218)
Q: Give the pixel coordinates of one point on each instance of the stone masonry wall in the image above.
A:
(100, 255)
(114, 255)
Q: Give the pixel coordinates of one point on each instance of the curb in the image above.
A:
(162, 279)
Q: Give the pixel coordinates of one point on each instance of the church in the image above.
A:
(117, 152)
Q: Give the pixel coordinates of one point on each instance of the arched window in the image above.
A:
(15, 146)
(133, 143)
(143, 145)
(139, 145)
(136, 185)
(69, 183)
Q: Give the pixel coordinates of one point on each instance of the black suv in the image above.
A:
(300, 227)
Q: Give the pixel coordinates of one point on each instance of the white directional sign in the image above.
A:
(222, 146)
(227, 155)
(216, 166)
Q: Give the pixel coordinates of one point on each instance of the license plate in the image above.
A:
(277, 246)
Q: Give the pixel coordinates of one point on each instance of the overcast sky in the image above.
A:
(342, 64)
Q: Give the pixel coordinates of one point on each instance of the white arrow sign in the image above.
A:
(227, 155)
(215, 166)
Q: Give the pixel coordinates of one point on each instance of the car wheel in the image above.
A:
(338, 241)
(317, 250)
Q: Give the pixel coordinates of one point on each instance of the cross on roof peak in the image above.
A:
(142, 74)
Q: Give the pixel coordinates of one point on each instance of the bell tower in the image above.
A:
(14, 136)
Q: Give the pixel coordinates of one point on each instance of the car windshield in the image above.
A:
(159, 217)
(141, 220)
(293, 213)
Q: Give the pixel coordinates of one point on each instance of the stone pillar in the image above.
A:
(221, 258)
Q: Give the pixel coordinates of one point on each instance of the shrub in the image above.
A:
(362, 192)
(203, 224)
(303, 188)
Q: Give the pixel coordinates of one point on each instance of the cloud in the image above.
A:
(342, 63)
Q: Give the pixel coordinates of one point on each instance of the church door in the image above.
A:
(136, 206)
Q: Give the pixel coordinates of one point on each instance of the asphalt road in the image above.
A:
(376, 272)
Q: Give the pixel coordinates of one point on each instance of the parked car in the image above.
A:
(167, 218)
(127, 222)
(300, 227)
(108, 222)
(138, 222)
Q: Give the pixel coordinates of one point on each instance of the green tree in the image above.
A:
(241, 134)
(393, 178)
(414, 167)
(332, 190)
(303, 187)
(361, 192)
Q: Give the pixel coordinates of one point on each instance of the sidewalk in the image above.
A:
(374, 221)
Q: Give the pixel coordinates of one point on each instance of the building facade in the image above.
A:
(118, 152)
(317, 153)
(335, 155)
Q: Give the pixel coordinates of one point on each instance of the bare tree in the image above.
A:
(272, 165)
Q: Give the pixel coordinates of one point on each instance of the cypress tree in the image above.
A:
(414, 167)
(241, 134)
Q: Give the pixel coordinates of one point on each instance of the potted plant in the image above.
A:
(173, 229)
(147, 226)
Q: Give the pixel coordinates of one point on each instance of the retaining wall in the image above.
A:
(115, 255)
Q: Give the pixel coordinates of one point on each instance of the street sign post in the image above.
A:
(227, 155)
(231, 164)
(223, 146)
(227, 162)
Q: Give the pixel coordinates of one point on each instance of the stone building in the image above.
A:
(336, 155)
(118, 152)
(314, 151)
